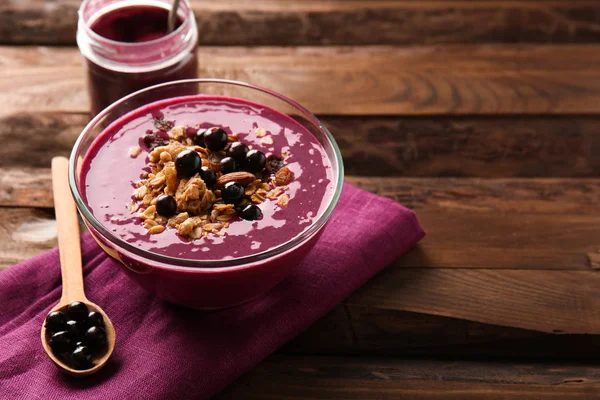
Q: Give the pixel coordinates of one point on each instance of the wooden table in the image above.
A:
(483, 116)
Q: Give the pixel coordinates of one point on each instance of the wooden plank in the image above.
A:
(465, 238)
(545, 301)
(534, 146)
(31, 139)
(537, 223)
(367, 330)
(535, 196)
(521, 146)
(25, 232)
(376, 80)
(293, 377)
(26, 187)
(357, 22)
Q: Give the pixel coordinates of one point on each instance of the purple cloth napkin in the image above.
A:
(166, 352)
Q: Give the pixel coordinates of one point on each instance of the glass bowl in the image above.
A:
(205, 284)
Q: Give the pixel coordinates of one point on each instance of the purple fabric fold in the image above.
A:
(164, 351)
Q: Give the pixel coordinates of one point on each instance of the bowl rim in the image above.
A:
(175, 263)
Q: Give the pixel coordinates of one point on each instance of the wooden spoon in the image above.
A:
(70, 265)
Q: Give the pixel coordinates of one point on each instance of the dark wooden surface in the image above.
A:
(483, 116)
(330, 22)
(449, 79)
(301, 377)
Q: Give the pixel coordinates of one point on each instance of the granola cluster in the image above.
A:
(199, 209)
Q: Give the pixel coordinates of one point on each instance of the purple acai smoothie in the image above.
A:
(110, 174)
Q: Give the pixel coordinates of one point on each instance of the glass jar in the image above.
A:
(133, 53)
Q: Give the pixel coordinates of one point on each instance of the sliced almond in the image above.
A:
(156, 229)
(141, 192)
(149, 223)
(186, 227)
(273, 194)
(267, 140)
(261, 132)
(211, 227)
(283, 200)
(134, 152)
(222, 207)
(178, 219)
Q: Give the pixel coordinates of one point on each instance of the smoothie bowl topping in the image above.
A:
(197, 180)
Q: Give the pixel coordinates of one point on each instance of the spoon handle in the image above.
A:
(68, 233)
(172, 16)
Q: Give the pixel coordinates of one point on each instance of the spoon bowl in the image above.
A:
(97, 361)
(71, 267)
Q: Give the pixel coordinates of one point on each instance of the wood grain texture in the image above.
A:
(25, 232)
(535, 146)
(356, 22)
(67, 224)
(545, 301)
(465, 238)
(49, 134)
(352, 329)
(26, 187)
(539, 196)
(296, 377)
(470, 223)
(375, 80)
(493, 147)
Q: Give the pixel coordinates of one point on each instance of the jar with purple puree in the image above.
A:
(126, 46)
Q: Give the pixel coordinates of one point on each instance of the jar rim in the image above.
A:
(186, 35)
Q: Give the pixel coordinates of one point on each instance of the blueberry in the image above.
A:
(208, 176)
(215, 139)
(187, 163)
(77, 311)
(76, 329)
(95, 338)
(250, 212)
(199, 138)
(232, 193)
(81, 358)
(237, 151)
(56, 321)
(274, 164)
(255, 161)
(165, 206)
(95, 319)
(60, 342)
(228, 165)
